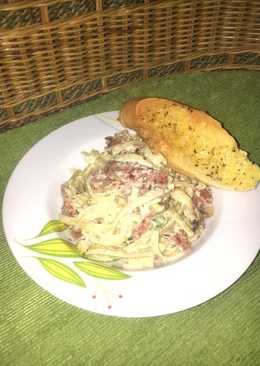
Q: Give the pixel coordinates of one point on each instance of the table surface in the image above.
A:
(38, 329)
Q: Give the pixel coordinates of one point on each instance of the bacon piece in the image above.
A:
(141, 228)
(202, 199)
(206, 195)
(179, 238)
(67, 208)
(76, 233)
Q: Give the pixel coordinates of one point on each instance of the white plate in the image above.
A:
(32, 198)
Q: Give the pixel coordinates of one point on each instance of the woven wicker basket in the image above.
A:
(57, 53)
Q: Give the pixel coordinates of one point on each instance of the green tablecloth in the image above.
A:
(38, 329)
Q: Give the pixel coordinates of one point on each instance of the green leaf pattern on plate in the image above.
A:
(61, 271)
(100, 271)
(56, 247)
(52, 226)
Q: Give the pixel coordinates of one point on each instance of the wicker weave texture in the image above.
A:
(56, 53)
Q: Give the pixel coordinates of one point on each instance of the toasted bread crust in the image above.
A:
(193, 142)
